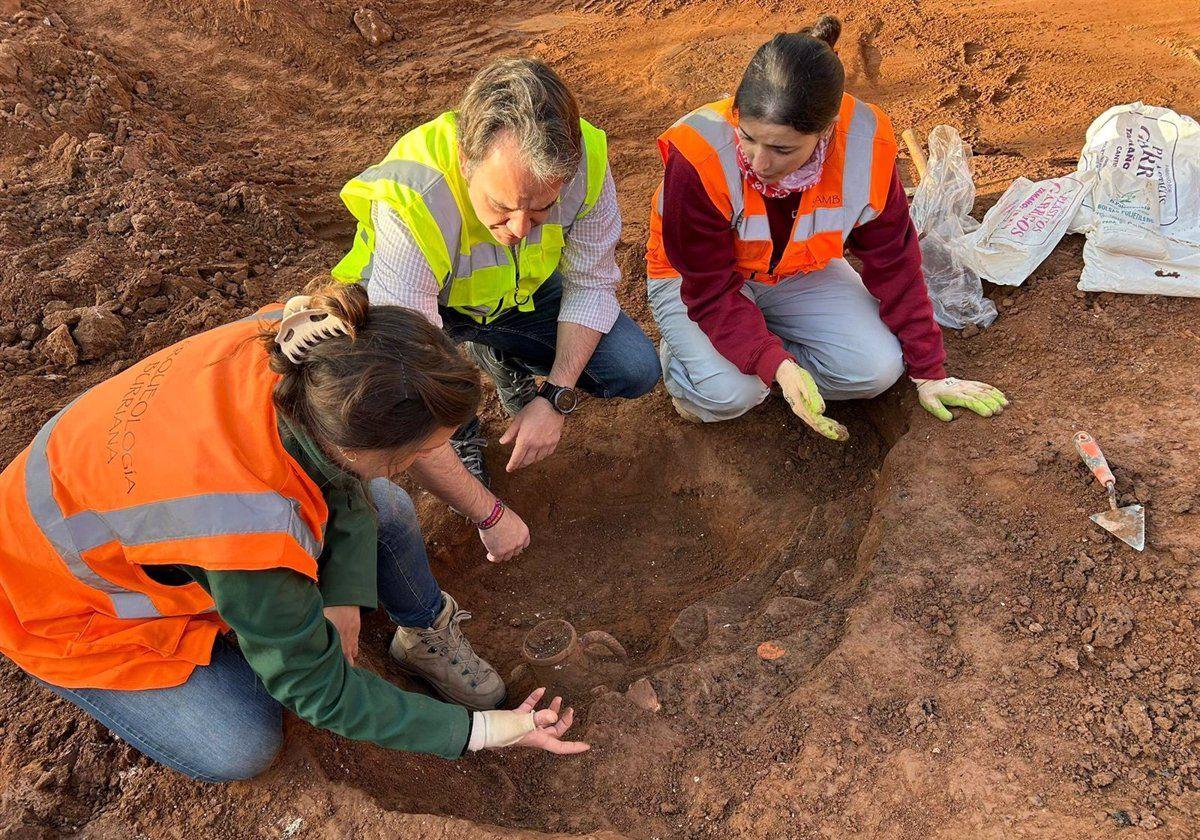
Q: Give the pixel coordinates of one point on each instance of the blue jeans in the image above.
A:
(222, 725)
(625, 363)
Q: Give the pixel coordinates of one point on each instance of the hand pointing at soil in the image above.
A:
(536, 431)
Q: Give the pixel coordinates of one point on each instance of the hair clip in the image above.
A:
(301, 331)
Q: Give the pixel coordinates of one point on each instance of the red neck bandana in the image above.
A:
(795, 182)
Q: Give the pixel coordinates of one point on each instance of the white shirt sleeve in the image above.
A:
(589, 264)
(400, 274)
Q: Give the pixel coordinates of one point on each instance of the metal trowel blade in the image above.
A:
(1127, 524)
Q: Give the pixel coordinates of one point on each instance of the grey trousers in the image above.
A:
(827, 320)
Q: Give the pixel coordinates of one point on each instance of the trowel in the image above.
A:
(1128, 523)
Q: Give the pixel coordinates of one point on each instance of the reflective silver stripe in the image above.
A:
(803, 228)
(856, 171)
(718, 133)
(571, 202)
(432, 186)
(866, 215)
(39, 495)
(275, 315)
(821, 220)
(483, 255)
(569, 205)
(825, 219)
(193, 517)
(856, 182)
(365, 275)
(754, 229)
(658, 196)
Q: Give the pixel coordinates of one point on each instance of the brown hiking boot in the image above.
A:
(442, 656)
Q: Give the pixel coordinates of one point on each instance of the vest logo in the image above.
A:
(122, 434)
(828, 201)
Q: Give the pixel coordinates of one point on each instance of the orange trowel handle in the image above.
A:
(1090, 452)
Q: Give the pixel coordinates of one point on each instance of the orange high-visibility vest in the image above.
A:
(852, 190)
(176, 460)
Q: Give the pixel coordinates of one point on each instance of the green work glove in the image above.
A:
(937, 394)
(802, 395)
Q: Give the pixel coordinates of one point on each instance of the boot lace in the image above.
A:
(515, 387)
(470, 451)
(450, 642)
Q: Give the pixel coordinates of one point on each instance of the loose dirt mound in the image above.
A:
(952, 648)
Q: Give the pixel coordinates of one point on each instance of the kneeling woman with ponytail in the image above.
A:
(762, 193)
(240, 480)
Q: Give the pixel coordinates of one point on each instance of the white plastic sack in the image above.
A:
(1125, 217)
(1022, 228)
(1143, 218)
(941, 210)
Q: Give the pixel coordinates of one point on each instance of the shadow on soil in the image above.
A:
(690, 545)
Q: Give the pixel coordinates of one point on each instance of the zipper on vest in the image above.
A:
(516, 274)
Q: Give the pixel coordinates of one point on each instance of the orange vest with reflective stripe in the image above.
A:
(853, 189)
(176, 460)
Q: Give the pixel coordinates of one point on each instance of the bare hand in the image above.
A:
(536, 429)
(348, 621)
(550, 726)
(507, 538)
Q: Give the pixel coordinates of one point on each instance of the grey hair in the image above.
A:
(527, 101)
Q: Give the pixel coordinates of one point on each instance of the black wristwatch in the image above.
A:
(564, 400)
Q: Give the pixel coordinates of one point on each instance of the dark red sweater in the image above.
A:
(699, 243)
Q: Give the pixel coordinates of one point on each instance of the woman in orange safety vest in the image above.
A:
(763, 193)
(239, 480)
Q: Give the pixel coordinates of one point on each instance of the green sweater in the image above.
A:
(277, 616)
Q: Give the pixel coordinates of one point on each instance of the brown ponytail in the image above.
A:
(390, 384)
(827, 29)
(795, 79)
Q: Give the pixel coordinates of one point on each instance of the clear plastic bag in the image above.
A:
(941, 209)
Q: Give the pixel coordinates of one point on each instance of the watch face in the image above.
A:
(566, 400)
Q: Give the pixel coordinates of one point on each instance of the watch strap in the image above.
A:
(549, 392)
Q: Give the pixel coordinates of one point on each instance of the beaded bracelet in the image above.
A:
(493, 517)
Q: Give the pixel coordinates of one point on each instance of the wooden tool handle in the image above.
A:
(915, 152)
(1090, 452)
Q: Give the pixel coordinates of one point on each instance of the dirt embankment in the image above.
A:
(964, 654)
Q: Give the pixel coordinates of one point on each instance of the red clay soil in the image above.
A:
(964, 653)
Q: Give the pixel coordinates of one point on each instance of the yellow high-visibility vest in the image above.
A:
(421, 180)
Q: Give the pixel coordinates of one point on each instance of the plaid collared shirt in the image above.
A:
(401, 276)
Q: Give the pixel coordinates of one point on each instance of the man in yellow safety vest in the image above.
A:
(499, 221)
